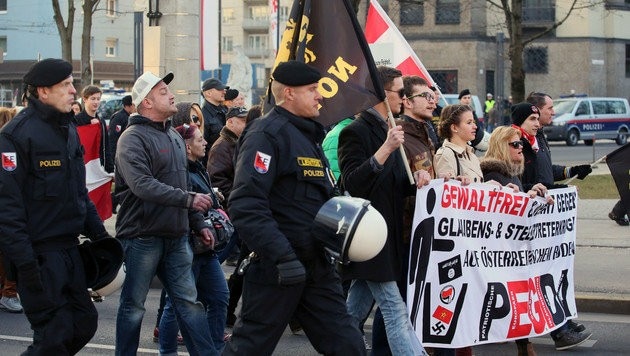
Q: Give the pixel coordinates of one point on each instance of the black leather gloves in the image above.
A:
(581, 171)
(290, 270)
(29, 276)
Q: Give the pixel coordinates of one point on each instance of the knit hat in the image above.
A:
(521, 111)
(231, 94)
(463, 93)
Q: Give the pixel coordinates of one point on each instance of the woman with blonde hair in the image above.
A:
(503, 163)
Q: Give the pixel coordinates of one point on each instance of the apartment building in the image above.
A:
(28, 33)
(457, 40)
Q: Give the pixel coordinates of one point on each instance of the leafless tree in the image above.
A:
(65, 31)
(89, 6)
(513, 12)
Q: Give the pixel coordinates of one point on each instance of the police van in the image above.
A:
(589, 119)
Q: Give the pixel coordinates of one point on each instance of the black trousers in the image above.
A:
(63, 316)
(318, 305)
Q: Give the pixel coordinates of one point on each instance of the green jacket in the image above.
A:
(330, 146)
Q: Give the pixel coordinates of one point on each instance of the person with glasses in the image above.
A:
(504, 163)
(372, 168)
(188, 113)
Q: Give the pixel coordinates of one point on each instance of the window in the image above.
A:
(3, 45)
(599, 107)
(227, 44)
(110, 8)
(284, 13)
(447, 12)
(583, 109)
(3, 5)
(539, 11)
(627, 60)
(535, 60)
(257, 42)
(227, 15)
(259, 12)
(445, 79)
(411, 12)
(111, 47)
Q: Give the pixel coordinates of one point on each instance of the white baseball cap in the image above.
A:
(145, 83)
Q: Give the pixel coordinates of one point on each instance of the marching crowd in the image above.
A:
(181, 169)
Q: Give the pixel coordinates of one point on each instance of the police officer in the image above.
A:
(281, 180)
(45, 208)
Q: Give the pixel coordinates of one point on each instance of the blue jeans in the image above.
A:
(213, 292)
(171, 260)
(400, 334)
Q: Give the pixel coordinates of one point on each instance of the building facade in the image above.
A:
(28, 32)
(459, 42)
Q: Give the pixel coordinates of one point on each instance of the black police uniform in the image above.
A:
(281, 181)
(45, 208)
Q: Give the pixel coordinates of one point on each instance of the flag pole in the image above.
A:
(401, 149)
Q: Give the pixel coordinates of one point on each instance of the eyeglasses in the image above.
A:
(425, 95)
(400, 92)
(516, 144)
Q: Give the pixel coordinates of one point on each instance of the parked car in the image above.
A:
(589, 119)
(110, 103)
(477, 105)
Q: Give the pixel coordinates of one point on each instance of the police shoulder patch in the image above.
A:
(261, 162)
(9, 161)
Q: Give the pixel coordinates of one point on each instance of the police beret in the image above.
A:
(231, 94)
(463, 93)
(521, 111)
(48, 72)
(295, 73)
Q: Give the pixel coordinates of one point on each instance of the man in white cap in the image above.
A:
(153, 220)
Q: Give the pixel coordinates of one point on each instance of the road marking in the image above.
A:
(90, 345)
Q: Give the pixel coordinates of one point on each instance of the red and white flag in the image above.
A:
(389, 47)
(98, 182)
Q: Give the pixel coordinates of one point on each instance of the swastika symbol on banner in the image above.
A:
(438, 327)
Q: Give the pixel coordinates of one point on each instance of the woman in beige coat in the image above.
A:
(456, 158)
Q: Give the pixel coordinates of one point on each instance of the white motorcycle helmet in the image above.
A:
(111, 287)
(103, 266)
(350, 229)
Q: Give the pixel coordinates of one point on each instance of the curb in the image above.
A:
(602, 303)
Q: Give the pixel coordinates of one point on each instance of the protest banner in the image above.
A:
(489, 265)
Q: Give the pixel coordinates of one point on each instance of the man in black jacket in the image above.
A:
(281, 181)
(118, 124)
(45, 208)
(214, 112)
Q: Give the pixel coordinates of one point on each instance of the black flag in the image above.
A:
(325, 34)
(618, 162)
